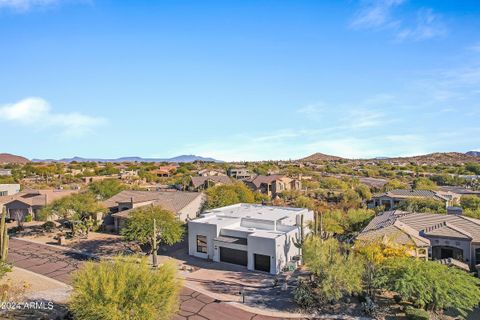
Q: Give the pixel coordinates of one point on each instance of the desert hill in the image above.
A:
(11, 158)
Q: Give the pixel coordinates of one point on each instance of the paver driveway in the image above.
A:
(59, 264)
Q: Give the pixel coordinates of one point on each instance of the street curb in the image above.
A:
(45, 277)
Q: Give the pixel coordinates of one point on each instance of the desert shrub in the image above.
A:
(124, 288)
(28, 218)
(424, 184)
(416, 314)
(431, 285)
(48, 226)
(225, 195)
(304, 295)
(106, 188)
(425, 205)
(336, 272)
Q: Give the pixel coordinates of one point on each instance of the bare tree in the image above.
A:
(19, 216)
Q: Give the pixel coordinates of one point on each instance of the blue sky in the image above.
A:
(239, 79)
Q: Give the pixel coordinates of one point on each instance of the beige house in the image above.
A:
(443, 236)
(393, 198)
(273, 185)
(239, 173)
(186, 205)
(205, 182)
(30, 202)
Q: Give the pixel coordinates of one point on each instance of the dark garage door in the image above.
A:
(233, 256)
(262, 262)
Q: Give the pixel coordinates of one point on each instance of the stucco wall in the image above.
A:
(208, 230)
(10, 189)
(192, 210)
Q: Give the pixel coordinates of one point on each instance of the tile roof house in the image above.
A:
(186, 205)
(205, 182)
(443, 235)
(164, 171)
(30, 202)
(391, 199)
(273, 185)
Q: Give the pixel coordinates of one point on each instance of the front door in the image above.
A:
(262, 262)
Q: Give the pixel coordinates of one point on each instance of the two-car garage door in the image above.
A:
(233, 256)
(261, 262)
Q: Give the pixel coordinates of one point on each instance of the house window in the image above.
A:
(477, 255)
(201, 244)
(3, 193)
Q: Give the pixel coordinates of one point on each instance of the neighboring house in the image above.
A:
(460, 190)
(210, 173)
(392, 199)
(239, 173)
(5, 172)
(436, 236)
(186, 205)
(128, 174)
(164, 171)
(30, 202)
(258, 237)
(9, 189)
(274, 184)
(205, 182)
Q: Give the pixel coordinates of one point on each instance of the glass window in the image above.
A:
(477, 255)
(201, 244)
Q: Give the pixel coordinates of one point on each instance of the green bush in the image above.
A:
(304, 295)
(28, 218)
(125, 288)
(416, 314)
(48, 226)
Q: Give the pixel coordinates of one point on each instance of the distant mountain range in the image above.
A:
(182, 158)
(474, 153)
(431, 158)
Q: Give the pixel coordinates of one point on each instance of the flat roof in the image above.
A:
(230, 218)
(254, 211)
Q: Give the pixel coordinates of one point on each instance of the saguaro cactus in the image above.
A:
(154, 243)
(300, 239)
(3, 237)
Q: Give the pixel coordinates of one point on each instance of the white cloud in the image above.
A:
(428, 25)
(475, 47)
(381, 14)
(25, 5)
(312, 109)
(37, 112)
(375, 14)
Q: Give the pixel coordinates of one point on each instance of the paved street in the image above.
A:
(59, 264)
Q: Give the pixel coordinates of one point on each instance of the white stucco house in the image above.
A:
(9, 189)
(256, 236)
